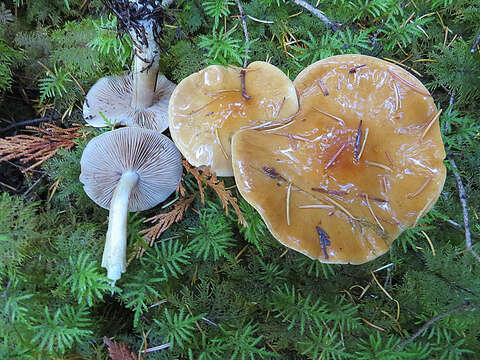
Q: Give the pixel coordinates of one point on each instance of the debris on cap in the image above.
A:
(359, 164)
(209, 106)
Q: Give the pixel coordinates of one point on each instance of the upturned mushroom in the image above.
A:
(139, 98)
(209, 106)
(360, 163)
(129, 169)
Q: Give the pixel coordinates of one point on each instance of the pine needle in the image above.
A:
(340, 121)
(429, 242)
(423, 187)
(430, 124)
(289, 190)
(337, 154)
(220, 143)
(363, 144)
(408, 83)
(317, 206)
(373, 214)
(373, 163)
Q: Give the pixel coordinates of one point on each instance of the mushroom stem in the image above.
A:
(145, 65)
(144, 81)
(115, 252)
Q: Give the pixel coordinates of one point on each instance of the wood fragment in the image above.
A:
(340, 121)
(354, 69)
(324, 240)
(363, 144)
(430, 124)
(373, 163)
(330, 192)
(377, 199)
(244, 88)
(289, 190)
(337, 154)
(373, 214)
(271, 172)
(408, 83)
(422, 188)
(323, 87)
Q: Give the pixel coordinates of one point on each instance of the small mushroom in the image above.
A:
(139, 98)
(113, 98)
(129, 169)
(360, 163)
(209, 106)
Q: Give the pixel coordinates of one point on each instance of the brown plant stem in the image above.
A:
(29, 122)
(466, 306)
(317, 13)
(245, 31)
(463, 200)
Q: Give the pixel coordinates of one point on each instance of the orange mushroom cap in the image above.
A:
(209, 106)
(360, 163)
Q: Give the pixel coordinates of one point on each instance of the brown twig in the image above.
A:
(29, 122)
(317, 13)
(466, 306)
(463, 200)
(245, 31)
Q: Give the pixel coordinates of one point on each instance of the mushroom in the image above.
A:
(360, 163)
(138, 98)
(209, 106)
(129, 169)
(113, 98)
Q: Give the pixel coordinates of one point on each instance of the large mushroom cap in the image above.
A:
(150, 154)
(208, 107)
(112, 97)
(360, 163)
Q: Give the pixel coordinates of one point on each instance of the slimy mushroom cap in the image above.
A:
(209, 106)
(360, 163)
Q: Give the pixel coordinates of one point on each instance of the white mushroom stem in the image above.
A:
(115, 252)
(144, 80)
(145, 67)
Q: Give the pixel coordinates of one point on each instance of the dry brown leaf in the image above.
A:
(118, 351)
(40, 147)
(204, 174)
